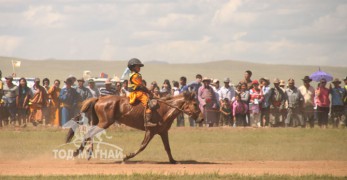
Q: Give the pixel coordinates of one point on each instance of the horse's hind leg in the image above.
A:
(89, 136)
(148, 137)
(165, 138)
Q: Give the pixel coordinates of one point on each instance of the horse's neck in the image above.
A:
(174, 108)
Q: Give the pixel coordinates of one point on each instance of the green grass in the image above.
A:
(194, 144)
(174, 176)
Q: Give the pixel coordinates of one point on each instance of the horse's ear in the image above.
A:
(192, 95)
(186, 95)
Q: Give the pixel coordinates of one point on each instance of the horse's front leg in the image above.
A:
(165, 138)
(148, 137)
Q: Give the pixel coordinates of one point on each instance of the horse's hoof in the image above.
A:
(76, 153)
(173, 162)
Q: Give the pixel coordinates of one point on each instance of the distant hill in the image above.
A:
(157, 70)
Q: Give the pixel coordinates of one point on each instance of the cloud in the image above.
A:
(8, 44)
(229, 13)
(44, 16)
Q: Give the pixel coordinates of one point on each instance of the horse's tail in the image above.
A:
(88, 106)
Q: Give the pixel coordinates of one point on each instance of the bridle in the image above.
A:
(173, 106)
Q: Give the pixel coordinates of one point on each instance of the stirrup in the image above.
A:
(148, 123)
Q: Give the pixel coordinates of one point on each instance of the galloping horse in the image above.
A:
(104, 111)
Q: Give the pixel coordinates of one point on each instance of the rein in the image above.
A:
(180, 109)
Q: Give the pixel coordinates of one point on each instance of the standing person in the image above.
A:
(278, 100)
(1, 87)
(153, 85)
(307, 92)
(83, 94)
(118, 89)
(183, 83)
(107, 90)
(37, 102)
(216, 89)
(46, 109)
(93, 90)
(194, 87)
(54, 93)
(207, 102)
(138, 91)
(295, 105)
(255, 101)
(226, 91)
(244, 94)
(247, 79)
(175, 90)
(266, 102)
(124, 91)
(337, 104)
(10, 94)
(184, 87)
(225, 111)
(323, 104)
(166, 88)
(345, 100)
(240, 110)
(23, 101)
(68, 97)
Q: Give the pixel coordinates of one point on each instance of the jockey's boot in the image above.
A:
(148, 119)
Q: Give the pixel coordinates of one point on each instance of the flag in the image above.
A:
(16, 63)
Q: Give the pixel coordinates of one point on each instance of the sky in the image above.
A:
(302, 32)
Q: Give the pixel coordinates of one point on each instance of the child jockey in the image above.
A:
(138, 91)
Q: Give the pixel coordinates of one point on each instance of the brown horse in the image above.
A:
(104, 111)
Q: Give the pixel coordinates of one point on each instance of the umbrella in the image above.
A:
(318, 75)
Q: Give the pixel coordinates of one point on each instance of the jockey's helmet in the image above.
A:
(134, 61)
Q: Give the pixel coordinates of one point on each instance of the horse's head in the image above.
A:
(191, 107)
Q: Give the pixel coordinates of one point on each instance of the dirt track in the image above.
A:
(336, 168)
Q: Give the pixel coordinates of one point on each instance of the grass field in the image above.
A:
(200, 144)
(199, 147)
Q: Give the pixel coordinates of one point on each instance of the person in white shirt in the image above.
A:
(308, 93)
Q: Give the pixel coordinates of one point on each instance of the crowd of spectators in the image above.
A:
(253, 103)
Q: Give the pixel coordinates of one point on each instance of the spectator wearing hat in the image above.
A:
(83, 93)
(216, 89)
(295, 105)
(46, 109)
(38, 101)
(254, 103)
(68, 97)
(266, 102)
(227, 92)
(208, 102)
(278, 99)
(308, 93)
(337, 104)
(93, 90)
(247, 79)
(10, 94)
(283, 85)
(54, 93)
(107, 90)
(323, 103)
